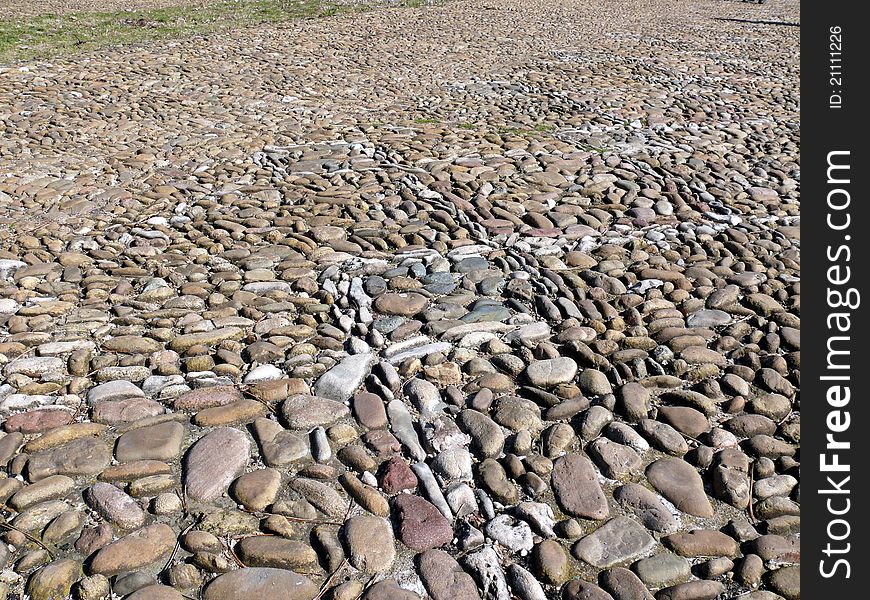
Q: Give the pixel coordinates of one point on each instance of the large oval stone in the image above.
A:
(260, 583)
(135, 551)
(575, 484)
(679, 482)
(214, 461)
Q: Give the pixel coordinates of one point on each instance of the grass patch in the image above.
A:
(43, 36)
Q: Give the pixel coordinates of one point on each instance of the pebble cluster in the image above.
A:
(488, 300)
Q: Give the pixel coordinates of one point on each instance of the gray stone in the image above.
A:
(342, 380)
(214, 461)
(575, 484)
(619, 540)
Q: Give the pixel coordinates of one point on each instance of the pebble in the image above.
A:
(444, 578)
(511, 533)
(550, 373)
(680, 483)
(619, 540)
(623, 584)
(214, 461)
(662, 570)
(275, 552)
(303, 411)
(54, 580)
(647, 506)
(371, 547)
(115, 506)
(260, 583)
(576, 487)
(134, 551)
(702, 542)
(157, 442)
(421, 525)
(342, 380)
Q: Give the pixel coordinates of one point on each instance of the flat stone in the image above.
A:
(205, 338)
(623, 584)
(680, 483)
(397, 476)
(135, 551)
(619, 540)
(684, 419)
(258, 489)
(156, 592)
(276, 552)
(552, 372)
(235, 413)
(84, 456)
(303, 411)
(278, 446)
(114, 390)
(134, 470)
(35, 366)
(36, 421)
(421, 524)
(157, 442)
(322, 496)
(50, 488)
(615, 460)
(53, 581)
(369, 410)
(662, 570)
(496, 482)
(128, 410)
(692, 590)
(514, 534)
(260, 583)
(214, 461)
(594, 383)
(786, 581)
(487, 438)
(370, 543)
(404, 305)
(444, 578)
(485, 567)
(342, 380)
(207, 397)
(702, 542)
(388, 589)
(550, 562)
(61, 435)
(115, 506)
(132, 344)
(578, 589)
(647, 506)
(576, 487)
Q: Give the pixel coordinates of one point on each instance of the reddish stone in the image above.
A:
(34, 421)
(112, 412)
(397, 476)
(382, 442)
(369, 410)
(94, 538)
(421, 525)
(548, 232)
(208, 397)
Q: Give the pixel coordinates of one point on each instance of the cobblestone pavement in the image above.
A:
(489, 299)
